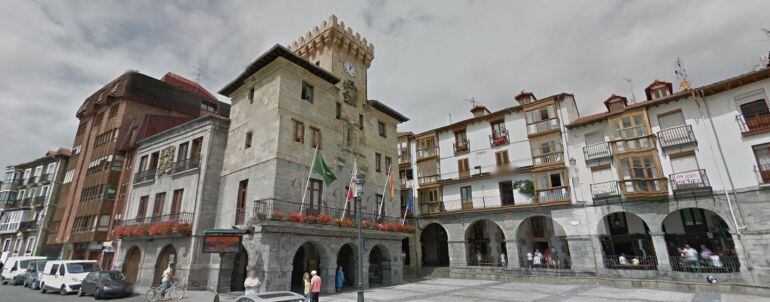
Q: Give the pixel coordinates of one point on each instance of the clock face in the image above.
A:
(350, 68)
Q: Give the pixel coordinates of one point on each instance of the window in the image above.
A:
(307, 92)
(17, 246)
(549, 179)
(176, 202)
(762, 155)
(143, 163)
(338, 110)
(501, 158)
(299, 131)
(181, 154)
(240, 206)
(315, 137)
(158, 205)
(637, 173)
(630, 126)
(81, 128)
(251, 95)
(349, 137)
(44, 191)
(361, 121)
(463, 168)
(98, 120)
(154, 157)
(208, 106)
(377, 162)
(247, 143)
(315, 193)
(388, 163)
(197, 145)
(113, 110)
(381, 128)
(51, 169)
(506, 192)
(498, 130)
(754, 109)
(466, 195)
(142, 210)
(461, 141)
(38, 171)
(30, 246)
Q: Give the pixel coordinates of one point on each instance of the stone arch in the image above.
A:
(541, 237)
(307, 257)
(699, 240)
(166, 256)
(434, 242)
(379, 265)
(347, 260)
(484, 243)
(626, 242)
(131, 263)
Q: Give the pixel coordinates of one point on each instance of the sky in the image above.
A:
(431, 57)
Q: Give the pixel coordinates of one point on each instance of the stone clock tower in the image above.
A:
(341, 51)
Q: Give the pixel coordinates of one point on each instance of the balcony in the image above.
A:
(46, 178)
(462, 146)
(485, 203)
(676, 137)
(753, 125)
(498, 138)
(557, 194)
(763, 173)
(187, 164)
(521, 163)
(427, 153)
(432, 208)
(27, 202)
(644, 188)
(690, 183)
(144, 176)
(30, 181)
(597, 151)
(548, 159)
(428, 179)
(642, 143)
(282, 210)
(407, 183)
(605, 190)
(183, 217)
(543, 126)
(404, 156)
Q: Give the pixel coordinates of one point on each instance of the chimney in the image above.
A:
(479, 111)
(525, 97)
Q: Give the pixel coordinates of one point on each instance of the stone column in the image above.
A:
(513, 258)
(598, 251)
(582, 253)
(661, 251)
(494, 254)
(457, 254)
(328, 273)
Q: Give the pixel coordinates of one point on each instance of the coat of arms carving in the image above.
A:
(349, 92)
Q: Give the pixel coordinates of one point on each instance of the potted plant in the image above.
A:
(278, 215)
(122, 231)
(183, 228)
(165, 228)
(139, 230)
(366, 224)
(397, 227)
(325, 218)
(525, 187)
(384, 227)
(296, 217)
(310, 219)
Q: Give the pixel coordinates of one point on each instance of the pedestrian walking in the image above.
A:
(315, 286)
(538, 260)
(252, 283)
(306, 283)
(530, 258)
(503, 261)
(340, 278)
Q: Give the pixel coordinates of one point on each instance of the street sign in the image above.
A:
(221, 243)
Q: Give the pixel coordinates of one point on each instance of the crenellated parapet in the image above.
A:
(332, 33)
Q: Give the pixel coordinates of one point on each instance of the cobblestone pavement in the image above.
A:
(435, 290)
(478, 290)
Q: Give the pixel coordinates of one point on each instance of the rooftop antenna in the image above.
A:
(681, 74)
(631, 86)
(473, 102)
(198, 74)
(764, 61)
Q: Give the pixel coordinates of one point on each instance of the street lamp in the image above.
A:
(359, 193)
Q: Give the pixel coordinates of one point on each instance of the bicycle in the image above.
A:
(172, 293)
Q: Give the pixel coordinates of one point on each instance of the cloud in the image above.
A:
(429, 55)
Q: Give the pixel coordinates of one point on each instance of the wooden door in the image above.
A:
(131, 269)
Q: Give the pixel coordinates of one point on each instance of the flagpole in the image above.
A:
(307, 183)
(350, 187)
(382, 200)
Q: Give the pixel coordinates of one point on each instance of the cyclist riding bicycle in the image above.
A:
(168, 278)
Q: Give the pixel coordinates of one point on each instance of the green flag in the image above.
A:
(320, 167)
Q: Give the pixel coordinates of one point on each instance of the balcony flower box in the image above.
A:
(296, 217)
(122, 231)
(183, 229)
(397, 227)
(310, 219)
(278, 215)
(366, 224)
(409, 229)
(139, 230)
(324, 219)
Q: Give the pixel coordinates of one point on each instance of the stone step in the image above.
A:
(434, 272)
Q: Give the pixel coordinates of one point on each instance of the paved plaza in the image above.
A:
(448, 290)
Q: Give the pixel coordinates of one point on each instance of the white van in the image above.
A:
(15, 268)
(64, 276)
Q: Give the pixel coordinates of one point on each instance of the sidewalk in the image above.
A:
(195, 295)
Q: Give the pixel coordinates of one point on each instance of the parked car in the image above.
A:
(105, 284)
(15, 269)
(272, 297)
(34, 272)
(65, 276)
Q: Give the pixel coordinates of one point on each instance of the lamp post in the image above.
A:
(360, 262)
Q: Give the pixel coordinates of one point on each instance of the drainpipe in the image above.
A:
(738, 229)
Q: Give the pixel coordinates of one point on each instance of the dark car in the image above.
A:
(106, 284)
(32, 276)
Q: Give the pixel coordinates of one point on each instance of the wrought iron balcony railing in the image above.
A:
(643, 187)
(145, 176)
(597, 151)
(695, 180)
(498, 138)
(187, 164)
(676, 136)
(183, 217)
(552, 194)
(462, 146)
(605, 190)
